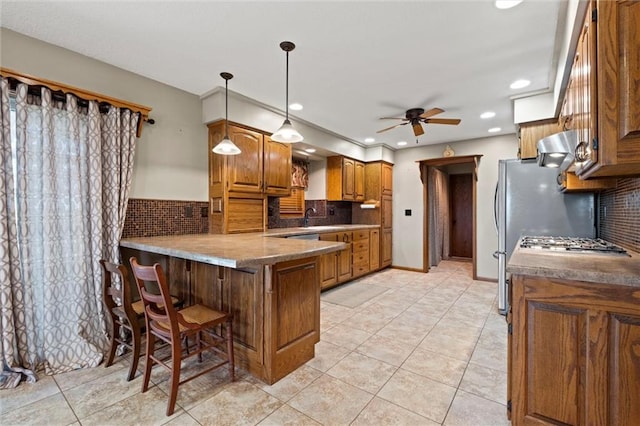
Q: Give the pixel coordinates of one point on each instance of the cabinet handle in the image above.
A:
(582, 152)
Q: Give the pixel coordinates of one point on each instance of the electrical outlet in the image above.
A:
(407, 212)
(332, 210)
(188, 211)
(204, 211)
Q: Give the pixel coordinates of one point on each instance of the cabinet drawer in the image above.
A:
(360, 270)
(359, 246)
(361, 235)
(361, 258)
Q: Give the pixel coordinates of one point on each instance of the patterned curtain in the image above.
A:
(72, 175)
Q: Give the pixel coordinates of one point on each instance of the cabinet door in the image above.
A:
(277, 167)
(386, 209)
(386, 247)
(374, 249)
(348, 179)
(531, 133)
(344, 257)
(246, 168)
(359, 181)
(328, 264)
(387, 179)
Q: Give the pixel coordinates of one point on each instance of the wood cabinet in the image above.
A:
(379, 187)
(360, 252)
(345, 179)
(569, 182)
(574, 355)
(277, 167)
(374, 249)
(239, 184)
(605, 77)
(335, 268)
(531, 132)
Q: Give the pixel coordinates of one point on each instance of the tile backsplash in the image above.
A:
(327, 213)
(150, 218)
(620, 214)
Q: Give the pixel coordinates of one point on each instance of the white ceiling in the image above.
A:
(355, 61)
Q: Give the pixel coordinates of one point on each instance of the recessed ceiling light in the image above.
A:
(295, 106)
(494, 129)
(310, 150)
(507, 4)
(519, 84)
(488, 114)
(369, 140)
(402, 143)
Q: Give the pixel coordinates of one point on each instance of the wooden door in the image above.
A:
(386, 247)
(387, 179)
(359, 181)
(386, 209)
(277, 167)
(328, 264)
(348, 179)
(374, 249)
(461, 213)
(246, 168)
(344, 257)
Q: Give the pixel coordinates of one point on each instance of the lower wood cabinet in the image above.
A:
(360, 252)
(386, 247)
(374, 249)
(344, 257)
(574, 353)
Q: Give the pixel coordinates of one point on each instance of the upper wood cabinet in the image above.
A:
(531, 133)
(613, 91)
(387, 178)
(263, 166)
(277, 167)
(569, 182)
(345, 179)
(239, 184)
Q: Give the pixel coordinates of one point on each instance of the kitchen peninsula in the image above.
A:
(269, 283)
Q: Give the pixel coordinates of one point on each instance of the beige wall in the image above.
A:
(171, 161)
(408, 194)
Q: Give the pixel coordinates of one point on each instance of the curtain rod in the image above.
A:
(81, 94)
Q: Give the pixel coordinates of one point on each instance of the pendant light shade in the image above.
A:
(286, 133)
(226, 146)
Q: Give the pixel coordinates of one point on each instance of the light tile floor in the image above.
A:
(430, 350)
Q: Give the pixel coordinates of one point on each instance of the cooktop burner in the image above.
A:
(573, 244)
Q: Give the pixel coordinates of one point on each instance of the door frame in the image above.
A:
(424, 166)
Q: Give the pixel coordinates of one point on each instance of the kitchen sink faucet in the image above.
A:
(306, 215)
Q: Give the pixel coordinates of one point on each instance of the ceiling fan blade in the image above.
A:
(392, 118)
(454, 121)
(417, 129)
(431, 112)
(392, 127)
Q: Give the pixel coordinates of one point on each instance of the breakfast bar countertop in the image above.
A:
(248, 250)
(588, 267)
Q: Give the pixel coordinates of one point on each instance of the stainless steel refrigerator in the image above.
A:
(528, 202)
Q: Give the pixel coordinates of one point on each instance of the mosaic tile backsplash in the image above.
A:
(150, 218)
(327, 213)
(620, 214)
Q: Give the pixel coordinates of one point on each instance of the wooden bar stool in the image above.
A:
(124, 313)
(165, 322)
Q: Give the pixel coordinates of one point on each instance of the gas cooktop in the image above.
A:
(573, 244)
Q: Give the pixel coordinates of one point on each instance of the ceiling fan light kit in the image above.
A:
(287, 133)
(415, 116)
(226, 146)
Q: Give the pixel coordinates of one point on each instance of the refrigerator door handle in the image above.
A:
(497, 253)
(495, 209)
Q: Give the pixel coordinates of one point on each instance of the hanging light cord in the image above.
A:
(226, 109)
(287, 89)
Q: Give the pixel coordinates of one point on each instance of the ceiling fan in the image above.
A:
(415, 116)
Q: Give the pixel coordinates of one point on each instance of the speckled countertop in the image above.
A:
(597, 268)
(249, 250)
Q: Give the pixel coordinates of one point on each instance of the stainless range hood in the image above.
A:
(558, 150)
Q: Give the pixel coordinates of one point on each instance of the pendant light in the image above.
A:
(286, 133)
(225, 146)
